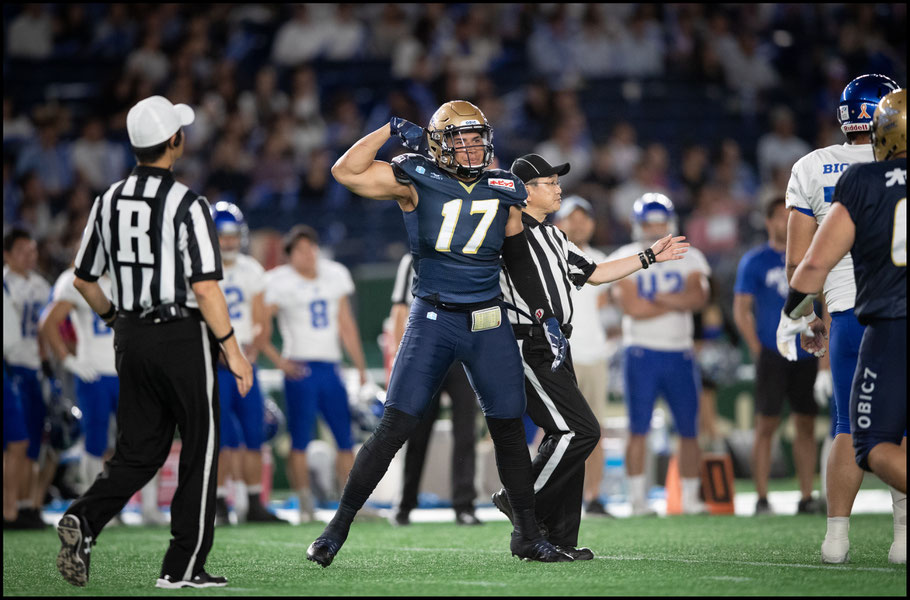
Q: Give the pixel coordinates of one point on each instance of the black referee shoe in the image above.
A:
(199, 580)
(75, 550)
(539, 550)
(323, 551)
(577, 553)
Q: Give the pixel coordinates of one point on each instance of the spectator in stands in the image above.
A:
(594, 52)
(345, 35)
(550, 46)
(780, 147)
(692, 176)
(261, 105)
(624, 151)
(569, 143)
(46, 155)
(148, 61)
(748, 71)
(115, 35)
(74, 33)
(392, 28)
(641, 45)
(31, 33)
(95, 158)
(16, 126)
(713, 227)
(298, 40)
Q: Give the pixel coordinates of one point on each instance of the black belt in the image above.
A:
(535, 331)
(460, 307)
(163, 313)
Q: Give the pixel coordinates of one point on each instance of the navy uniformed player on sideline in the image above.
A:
(462, 219)
(869, 219)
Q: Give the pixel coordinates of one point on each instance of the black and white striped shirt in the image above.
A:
(404, 281)
(560, 265)
(154, 236)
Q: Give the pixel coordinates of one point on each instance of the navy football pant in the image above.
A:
(571, 433)
(878, 403)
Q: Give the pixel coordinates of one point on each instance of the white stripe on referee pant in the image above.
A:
(209, 448)
(560, 423)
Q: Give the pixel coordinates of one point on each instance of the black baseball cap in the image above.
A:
(531, 166)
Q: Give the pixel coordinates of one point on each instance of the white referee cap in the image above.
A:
(154, 120)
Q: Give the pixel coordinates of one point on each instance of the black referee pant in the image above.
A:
(464, 419)
(167, 380)
(557, 406)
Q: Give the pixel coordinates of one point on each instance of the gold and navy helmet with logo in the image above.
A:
(889, 126)
(448, 131)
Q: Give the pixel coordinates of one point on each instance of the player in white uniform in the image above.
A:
(242, 418)
(96, 384)
(309, 295)
(809, 194)
(589, 340)
(657, 330)
(15, 438)
(29, 293)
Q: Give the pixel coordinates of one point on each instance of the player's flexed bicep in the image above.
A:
(359, 171)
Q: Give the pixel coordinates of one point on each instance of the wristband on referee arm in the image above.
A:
(226, 337)
(110, 316)
(516, 254)
(797, 302)
(649, 254)
(644, 260)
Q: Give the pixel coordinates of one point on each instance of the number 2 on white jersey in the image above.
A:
(899, 234)
(450, 212)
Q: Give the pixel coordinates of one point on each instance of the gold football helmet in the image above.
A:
(447, 127)
(889, 126)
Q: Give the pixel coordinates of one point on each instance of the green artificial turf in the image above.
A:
(694, 555)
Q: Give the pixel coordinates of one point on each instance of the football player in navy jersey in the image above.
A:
(463, 220)
(869, 219)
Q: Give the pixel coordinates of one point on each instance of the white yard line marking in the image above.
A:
(751, 563)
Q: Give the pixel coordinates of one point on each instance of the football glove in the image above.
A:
(824, 387)
(80, 369)
(788, 329)
(557, 341)
(414, 137)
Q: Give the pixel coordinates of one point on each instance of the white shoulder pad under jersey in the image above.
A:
(810, 191)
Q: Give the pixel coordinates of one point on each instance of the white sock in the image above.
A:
(306, 500)
(253, 489)
(838, 528)
(92, 466)
(690, 487)
(221, 491)
(150, 495)
(899, 505)
(638, 495)
(24, 504)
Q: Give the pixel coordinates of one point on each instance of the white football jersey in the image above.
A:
(308, 309)
(94, 339)
(242, 280)
(11, 334)
(670, 331)
(589, 341)
(810, 191)
(30, 295)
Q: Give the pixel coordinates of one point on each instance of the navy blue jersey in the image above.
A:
(875, 195)
(456, 232)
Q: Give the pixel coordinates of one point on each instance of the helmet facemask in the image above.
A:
(453, 143)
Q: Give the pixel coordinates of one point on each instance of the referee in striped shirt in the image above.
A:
(156, 239)
(554, 401)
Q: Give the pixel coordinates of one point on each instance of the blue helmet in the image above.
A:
(229, 220)
(859, 99)
(652, 208)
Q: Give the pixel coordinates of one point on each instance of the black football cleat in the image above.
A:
(75, 550)
(501, 501)
(323, 551)
(539, 550)
(577, 553)
(199, 580)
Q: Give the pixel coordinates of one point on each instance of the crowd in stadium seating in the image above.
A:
(708, 103)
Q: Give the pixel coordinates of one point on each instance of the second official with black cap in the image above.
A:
(156, 239)
(554, 400)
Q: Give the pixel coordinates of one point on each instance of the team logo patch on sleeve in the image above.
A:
(506, 184)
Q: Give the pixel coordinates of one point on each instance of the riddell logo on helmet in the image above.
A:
(507, 184)
(850, 127)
